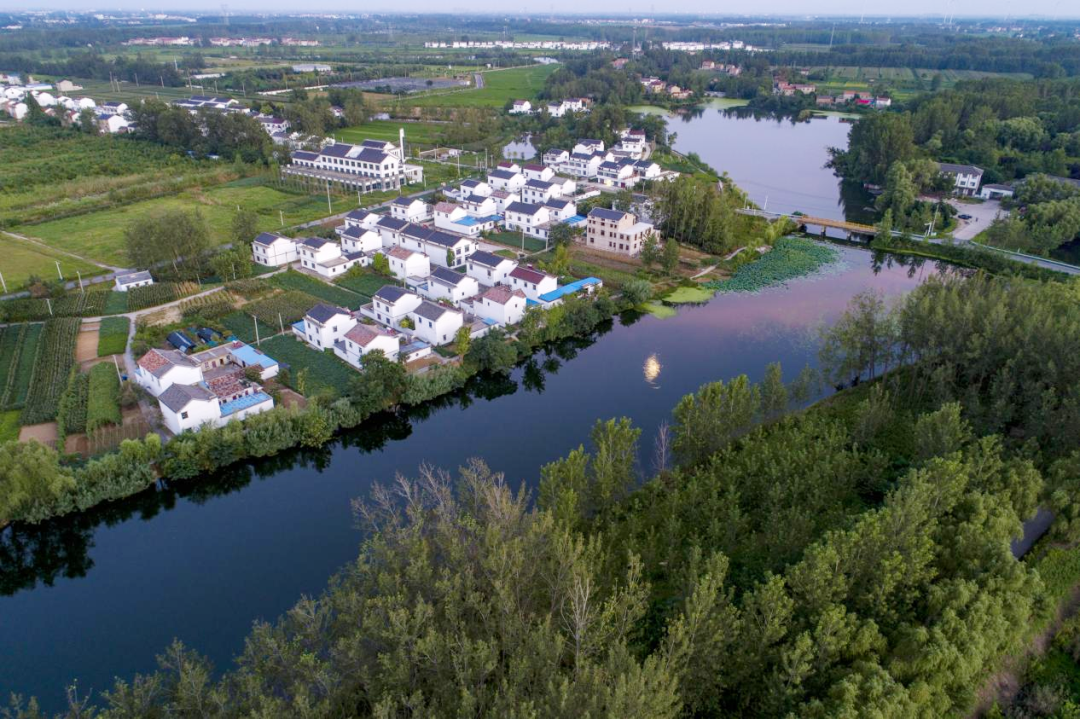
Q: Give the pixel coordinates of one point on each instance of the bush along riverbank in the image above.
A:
(36, 485)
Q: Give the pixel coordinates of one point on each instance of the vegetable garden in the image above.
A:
(18, 349)
(273, 314)
(317, 288)
(48, 379)
(113, 336)
(140, 298)
(103, 397)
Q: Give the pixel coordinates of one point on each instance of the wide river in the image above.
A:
(97, 596)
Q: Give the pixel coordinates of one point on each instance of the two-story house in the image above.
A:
(157, 370)
(390, 229)
(442, 248)
(534, 171)
(358, 240)
(508, 180)
(326, 258)
(532, 282)
(390, 305)
(500, 304)
(410, 210)
(326, 324)
(537, 192)
(273, 250)
(488, 268)
(966, 178)
(525, 217)
(446, 284)
(408, 263)
(435, 323)
(362, 340)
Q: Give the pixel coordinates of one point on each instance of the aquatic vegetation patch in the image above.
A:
(659, 309)
(682, 295)
(789, 259)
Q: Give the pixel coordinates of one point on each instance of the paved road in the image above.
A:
(479, 79)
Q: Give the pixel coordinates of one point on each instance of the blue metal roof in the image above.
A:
(245, 402)
(250, 356)
(569, 289)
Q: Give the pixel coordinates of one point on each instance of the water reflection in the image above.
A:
(652, 368)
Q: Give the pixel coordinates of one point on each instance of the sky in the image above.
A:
(960, 8)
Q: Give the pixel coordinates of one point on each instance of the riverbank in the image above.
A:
(55, 490)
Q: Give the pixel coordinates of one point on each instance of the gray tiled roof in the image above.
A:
(177, 396)
(323, 313)
(431, 311)
(391, 294)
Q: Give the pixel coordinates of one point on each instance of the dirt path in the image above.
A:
(87, 342)
(45, 433)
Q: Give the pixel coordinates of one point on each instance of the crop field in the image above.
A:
(855, 77)
(100, 235)
(103, 397)
(55, 357)
(20, 260)
(52, 172)
(18, 350)
(90, 303)
(366, 284)
(9, 426)
(207, 307)
(140, 298)
(317, 288)
(427, 133)
(499, 86)
(113, 336)
(273, 313)
(324, 371)
(513, 239)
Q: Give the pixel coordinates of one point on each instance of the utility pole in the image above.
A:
(328, 205)
(281, 216)
(3, 283)
(80, 280)
(61, 274)
(257, 341)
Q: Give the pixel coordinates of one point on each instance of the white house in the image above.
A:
(588, 147)
(188, 406)
(474, 187)
(326, 324)
(363, 167)
(647, 169)
(538, 172)
(364, 339)
(632, 142)
(521, 107)
(441, 247)
(489, 269)
(361, 218)
(996, 192)
(356, 239)
(508, 165)
(480, 206)
(390, 305)
(436, 324)
(410, 210)
(447, 284)
(273, 250)
(113, 108)
(272, 124)
(584, 164)
(526, 217)
(562, 186)
(560, 210)
(508, 180)
(447, 214)
(500, 304)
(407, 263)
(503, 199)
(157, 370)
(454, 218)
(532, 282)
(112, 124)
(326, 258)
(537, 192)
(616, 174)
(129, 280)
(390, 229)
(556, 158)
(966, 178)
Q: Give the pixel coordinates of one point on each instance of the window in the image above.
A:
(183, 415)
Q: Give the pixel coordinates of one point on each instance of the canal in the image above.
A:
(96, 596)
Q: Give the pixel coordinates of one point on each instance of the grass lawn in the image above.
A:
(424, 132)
(112, 337)
(499, 86)
(100, 235)
(19, 260)
(366, 284)
(513, 239)
(324, 370)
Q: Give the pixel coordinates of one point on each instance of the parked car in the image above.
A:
(964, 217)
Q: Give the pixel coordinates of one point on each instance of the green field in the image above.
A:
(292, 280)
(513, 239)
(113, 336)
(18, 350)
(19, 260)
(499, 86)
(9, 425)
(366, 284)
(423, 132)
(902, 80)
(324, 370)
(100, 235)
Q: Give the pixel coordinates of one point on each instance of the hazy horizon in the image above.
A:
(990, 9)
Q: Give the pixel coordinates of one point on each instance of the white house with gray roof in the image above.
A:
(446, 284)
(436, 324)
(326, 258)
(966, 178)
(509, 180)
(390, 305)
(324, 324)
(410, 209)
(356, 239)
(368, 167)
(273, 250)
(489, 269)
(408, 263)
(438, 245)
(526, 217)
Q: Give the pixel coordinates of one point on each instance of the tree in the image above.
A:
(561, 234)
(462, 340)
(381, 264)
(492, 353)
(88, 121)
(243, 228)
(877, 142)
(232, 264)
(559, 264)
(670, 259)
(650, 250)
(450, 259)
(169, 237)
(623, 200)
(900, 194)
(884, 235)
(379, 385)
(637, 291)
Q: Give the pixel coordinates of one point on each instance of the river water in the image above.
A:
(96, 596)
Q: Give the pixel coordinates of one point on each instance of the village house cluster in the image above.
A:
(210, 387)
(554, 109)
(656, 86)
(56, 101)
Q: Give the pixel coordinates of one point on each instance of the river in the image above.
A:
(97, 596)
